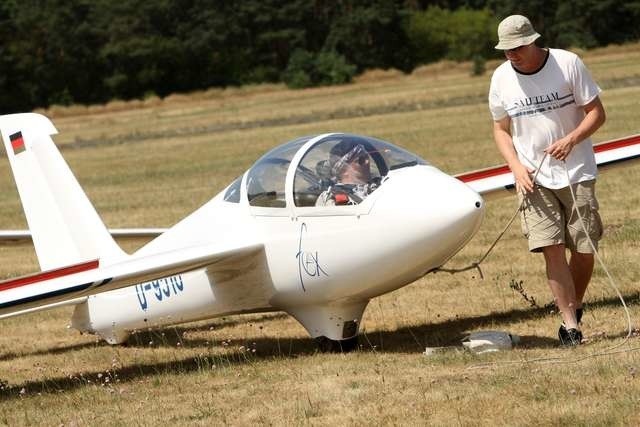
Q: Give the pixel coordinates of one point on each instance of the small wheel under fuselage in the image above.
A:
(327, 345)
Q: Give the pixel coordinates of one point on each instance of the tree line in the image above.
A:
(92, 51)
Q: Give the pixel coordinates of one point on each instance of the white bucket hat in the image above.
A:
(515, 31)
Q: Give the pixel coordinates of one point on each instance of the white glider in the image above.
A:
(260, 245)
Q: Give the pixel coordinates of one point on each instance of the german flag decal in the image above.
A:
(17, 143)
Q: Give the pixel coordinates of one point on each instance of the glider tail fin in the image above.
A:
(65, 227)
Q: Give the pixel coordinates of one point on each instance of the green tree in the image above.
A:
(463, 34)
(610, 21)
(427, 32)
(276, 29)
(471, 34)
(369, 34)
(87, 51)
(306, 69)
(50, 49)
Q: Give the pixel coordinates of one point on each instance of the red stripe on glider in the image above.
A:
(47, 275)
(499, 170)
(484, 173)
(617, 143)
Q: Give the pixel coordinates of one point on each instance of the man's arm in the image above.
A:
(593, 119)
(504, 141)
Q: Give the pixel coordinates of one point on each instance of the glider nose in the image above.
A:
(452, 213)
(464, 209)
(440, 213)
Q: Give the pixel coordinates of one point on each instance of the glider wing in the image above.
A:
(53, 288)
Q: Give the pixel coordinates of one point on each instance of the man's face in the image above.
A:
(521, 56)
(357, 171)
(353, 166)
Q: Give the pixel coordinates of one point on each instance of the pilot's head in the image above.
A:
(349, 163)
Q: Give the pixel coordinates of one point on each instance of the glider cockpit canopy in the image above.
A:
(313, 161)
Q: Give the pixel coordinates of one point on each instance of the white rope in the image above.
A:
(476, 264)
(609, 350)
(602, 264)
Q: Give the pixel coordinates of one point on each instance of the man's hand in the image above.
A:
(522, 176)
(561, 148)
(593, 119)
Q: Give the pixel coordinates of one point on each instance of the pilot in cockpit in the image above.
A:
(349, 170)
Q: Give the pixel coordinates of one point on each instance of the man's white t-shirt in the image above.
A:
(544, 106)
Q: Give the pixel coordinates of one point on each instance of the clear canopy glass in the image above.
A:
(339, 169)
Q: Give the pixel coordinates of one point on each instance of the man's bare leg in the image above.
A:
(561, 283)
(581, 267)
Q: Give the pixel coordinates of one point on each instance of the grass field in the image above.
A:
(149, 163)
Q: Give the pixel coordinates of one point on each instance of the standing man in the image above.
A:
(545, 106)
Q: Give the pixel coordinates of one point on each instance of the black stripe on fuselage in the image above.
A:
(52, 294)
(613, 162)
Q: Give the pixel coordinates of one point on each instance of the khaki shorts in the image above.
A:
(548, 217)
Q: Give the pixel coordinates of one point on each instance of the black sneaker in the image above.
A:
(563, 336)
(569, 337)
(562, 332)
